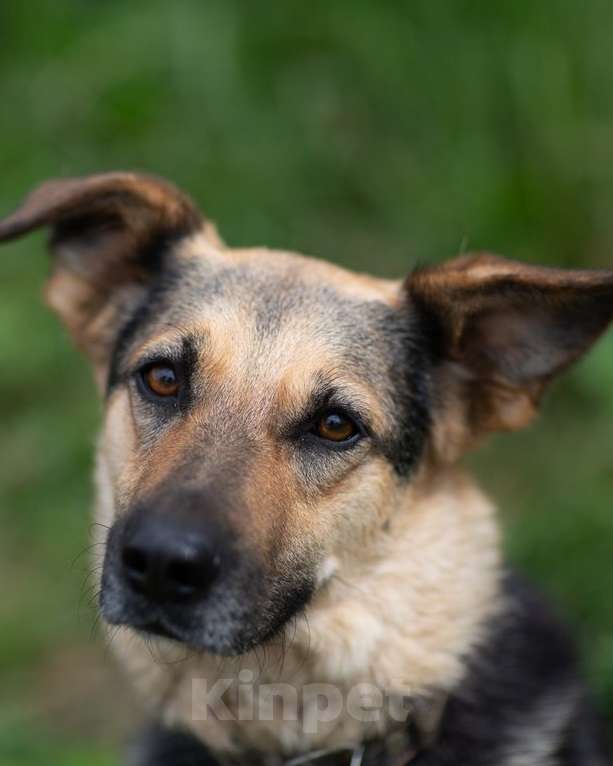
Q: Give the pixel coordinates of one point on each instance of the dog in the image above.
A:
(295, 569)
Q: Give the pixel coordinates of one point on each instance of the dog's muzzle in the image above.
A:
(160, 573)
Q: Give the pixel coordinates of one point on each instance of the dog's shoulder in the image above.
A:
(521, 700)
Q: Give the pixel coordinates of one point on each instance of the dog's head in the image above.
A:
(265, 413)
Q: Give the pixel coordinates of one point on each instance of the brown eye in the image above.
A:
(336, 427)
(161, 380)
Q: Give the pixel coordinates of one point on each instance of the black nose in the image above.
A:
(166, 561)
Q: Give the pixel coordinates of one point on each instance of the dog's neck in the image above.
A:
(402, 619)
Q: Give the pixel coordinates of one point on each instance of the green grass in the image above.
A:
(19, 746)
(377, 135)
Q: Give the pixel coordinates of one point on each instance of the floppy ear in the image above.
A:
(109, 235)
(502, 330)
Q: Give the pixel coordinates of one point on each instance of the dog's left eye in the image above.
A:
(160, 380)
(336, 426)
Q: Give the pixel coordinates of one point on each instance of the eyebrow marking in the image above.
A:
(128, 331)
(167, 346)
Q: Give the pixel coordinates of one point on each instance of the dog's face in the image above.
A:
(266, 413)
(255, 422)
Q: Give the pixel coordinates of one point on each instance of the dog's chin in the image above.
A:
(222, 632)
(228, 643)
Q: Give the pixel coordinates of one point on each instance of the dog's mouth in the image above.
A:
(229, 625)
(159, 629)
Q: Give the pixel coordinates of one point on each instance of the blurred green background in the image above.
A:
(374, 134)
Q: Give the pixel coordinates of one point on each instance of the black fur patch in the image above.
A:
(515, 682)
(159, 746)
(411, 392)
(126, 334)
(152, 303)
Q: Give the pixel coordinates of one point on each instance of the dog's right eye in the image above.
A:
(160, 380)
(335, 426)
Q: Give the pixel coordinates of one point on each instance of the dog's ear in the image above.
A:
(501, 330)
(109, 234)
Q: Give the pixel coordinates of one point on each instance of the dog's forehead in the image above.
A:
(277, 276)
(280, 298)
